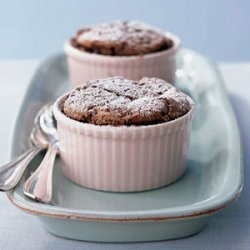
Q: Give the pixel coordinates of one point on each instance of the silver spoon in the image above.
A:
(39, 185)
(11, 173)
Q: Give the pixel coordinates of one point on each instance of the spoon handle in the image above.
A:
(39, 185)
(11, 173)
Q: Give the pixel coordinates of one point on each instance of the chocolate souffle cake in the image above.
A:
(117, 101)
(121, 38)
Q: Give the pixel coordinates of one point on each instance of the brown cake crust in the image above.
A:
(121, 39)
(117, 101)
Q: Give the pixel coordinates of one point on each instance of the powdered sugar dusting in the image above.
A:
(123, 38)
(147, 105)
(126, 102)
(120, 31)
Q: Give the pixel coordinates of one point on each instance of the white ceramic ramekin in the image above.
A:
(88, 66)
(122, 159)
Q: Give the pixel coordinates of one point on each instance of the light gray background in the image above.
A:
(35, 29)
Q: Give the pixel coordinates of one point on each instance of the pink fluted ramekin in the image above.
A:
(85, 66)
(124, 158)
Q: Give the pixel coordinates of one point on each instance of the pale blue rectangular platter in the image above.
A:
(213, 179)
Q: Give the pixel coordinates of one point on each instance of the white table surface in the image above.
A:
(229, 229)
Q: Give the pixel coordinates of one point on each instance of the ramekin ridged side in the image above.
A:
(85, 66)
(122, 159)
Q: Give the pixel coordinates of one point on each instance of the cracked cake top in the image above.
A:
(117, 101)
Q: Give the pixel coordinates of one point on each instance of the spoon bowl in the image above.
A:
(47, 125)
